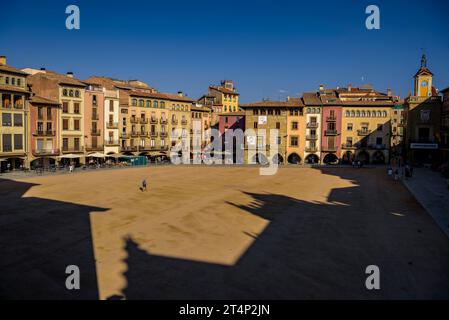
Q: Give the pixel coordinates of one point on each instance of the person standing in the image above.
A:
(144, 185)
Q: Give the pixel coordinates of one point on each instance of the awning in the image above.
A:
(96, 155)
(70, 156)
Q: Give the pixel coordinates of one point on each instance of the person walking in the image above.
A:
(144, 185)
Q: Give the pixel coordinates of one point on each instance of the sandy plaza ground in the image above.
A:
(218, 232)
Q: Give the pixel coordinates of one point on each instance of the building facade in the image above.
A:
(70, 93)
(423, 118)
(313, 126)
(295, 131)
(94, 119)
(45, 144)
(14, 117)
(226, 96)
(445, 126)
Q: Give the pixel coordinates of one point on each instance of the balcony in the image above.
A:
(363, 132)
(329, 149)
(311, 149)
(153, 121)
(331, 119)
(95, 132)
(377, 146)
(348, 146)
(164, 134)
(112, 125)
(144, 148)
(153, 134)
(163, 121)
(95, 116)
(183, 122)
(94, 148)
(330, 132)
(312, 124)
(44, 133)
(128, 149)
(78, 149)
(110, 143)
(134, 134)
(164, 148)
(18, 106)
(45, 152)
(143, 120)
(124, 135)
(134, 120)
(174, 121)
(311, 137)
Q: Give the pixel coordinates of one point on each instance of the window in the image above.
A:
(357, 113)
(294, 125)
(155, 104)
(368, 114)
(384, 114)
(7, 80)
(349, 127)
(65, 107)
(6, 120)
(255, 124)
(65, 124)
(162, 106)
(379, 141)
(64, 92)
(71, 93)
(134, 102)
(277, 112)
(141, 103)
(18, 142)
(111, 106)
(352, 114)
(270, 111)
(363, 114)
(77, 93)
(19, 82)
(18, 120)
(278, 140)
(13, 81)
(278, 125)
(294, 141)
(347, 113)
(6, 143)
(255, 112)
(76, 143)
(76, 108)
(349, 141)
(225, 108)
(65, 144)
(379, 114)
(48, 113)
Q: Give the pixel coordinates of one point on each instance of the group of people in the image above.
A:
(357, 164)
(400, 172)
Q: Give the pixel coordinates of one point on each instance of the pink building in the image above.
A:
(331, 133)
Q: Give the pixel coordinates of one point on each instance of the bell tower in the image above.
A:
(423, 80)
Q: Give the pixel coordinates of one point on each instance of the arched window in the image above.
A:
(141, 103)
(308, 110)
(379, 114)
(357, 114)
(155, 104)
(64, 92)
(363, 114)
(347, 113)
(134, 102)
(384, 114)
(71, 93)
(163, 104)
(225, 108)
(77, 93)
(352, 113)
(148, 103)
(368, 114)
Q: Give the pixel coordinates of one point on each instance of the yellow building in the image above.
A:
(226, 96)
(13, 117)
(295, 131)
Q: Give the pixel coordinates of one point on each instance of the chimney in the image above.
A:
(2, 60)
(180, 93)
(42, 69)
(389, 92)
(321, 87)
(349, 87)
(70, 74)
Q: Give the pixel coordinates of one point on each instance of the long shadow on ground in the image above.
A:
(314, 250)
(39, 238)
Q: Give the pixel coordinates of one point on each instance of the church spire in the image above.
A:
(423, 61)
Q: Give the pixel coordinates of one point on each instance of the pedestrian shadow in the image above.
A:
(39, 238)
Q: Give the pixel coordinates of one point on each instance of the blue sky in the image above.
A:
(271, 49)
